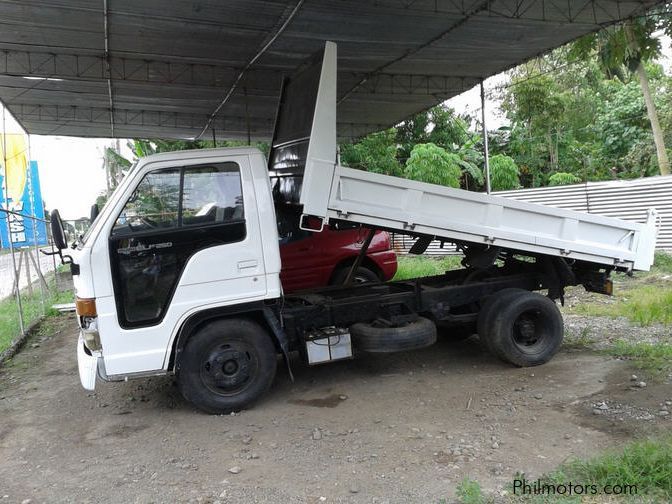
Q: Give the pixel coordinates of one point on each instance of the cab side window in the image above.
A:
(173, 214)
(153, 205)
(212, 195)
(192, 196)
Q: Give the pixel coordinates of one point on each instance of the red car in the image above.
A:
(312, 260)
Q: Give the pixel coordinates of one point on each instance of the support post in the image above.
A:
(26, 252)
(485, 141)
(36, 258)
(38, 268)
(17, 277)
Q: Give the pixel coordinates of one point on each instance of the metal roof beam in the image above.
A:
(410, 84)
(106, 34)
(63, 115)
(87, 67)
(595, 12)
(38, 64)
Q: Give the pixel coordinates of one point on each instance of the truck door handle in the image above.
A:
(247, 264)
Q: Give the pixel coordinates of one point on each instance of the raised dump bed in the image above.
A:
(330, 191)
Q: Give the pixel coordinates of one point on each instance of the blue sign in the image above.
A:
(26, 203)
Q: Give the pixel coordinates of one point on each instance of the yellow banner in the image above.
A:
(14, 163)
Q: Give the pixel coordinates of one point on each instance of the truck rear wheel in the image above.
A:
(376, 338)
(526, 330)
(227, 365)
(490, 306)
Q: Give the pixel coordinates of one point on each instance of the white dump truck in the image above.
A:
(179, 274)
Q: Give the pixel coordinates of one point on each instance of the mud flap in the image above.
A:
(280, 336)
(88, 366)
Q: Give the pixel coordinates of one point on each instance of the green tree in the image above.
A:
(375, 153)
(625, 48)
(563, 178)
(539, 104)
(602, 132)
(504, 173)
(115, 166)
(441, 126)
(433, 164)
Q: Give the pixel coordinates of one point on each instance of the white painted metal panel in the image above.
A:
(458, 215)
(623, 199)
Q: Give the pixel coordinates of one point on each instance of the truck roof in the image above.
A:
(198, 154)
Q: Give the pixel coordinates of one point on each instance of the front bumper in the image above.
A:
(87, 362)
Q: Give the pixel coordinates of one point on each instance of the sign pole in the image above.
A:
(485, 141)
(36, 261)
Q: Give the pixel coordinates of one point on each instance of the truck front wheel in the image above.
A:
(227, 365)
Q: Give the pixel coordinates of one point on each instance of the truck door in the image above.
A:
(187, 237)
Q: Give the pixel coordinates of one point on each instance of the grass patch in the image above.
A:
(32, 310)
(470, 492)
(646, 466)
(662, 262)
(643, 305)
(645, 299)
(654, 358)
(419, 266)
(580, 340)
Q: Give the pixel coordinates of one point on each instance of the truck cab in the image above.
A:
(184, 232)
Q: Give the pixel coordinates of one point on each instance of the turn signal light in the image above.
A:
(85, 307)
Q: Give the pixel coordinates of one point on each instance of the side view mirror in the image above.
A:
(94, 212)
(58, 236)
(57, 232)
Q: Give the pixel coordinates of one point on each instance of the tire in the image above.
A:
(362, 275)
(527, 330)
(227, 366)
(376, 339)
(489, 308)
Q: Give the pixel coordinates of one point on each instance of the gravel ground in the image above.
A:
(397, 428)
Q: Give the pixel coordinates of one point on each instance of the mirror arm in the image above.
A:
(65, 259)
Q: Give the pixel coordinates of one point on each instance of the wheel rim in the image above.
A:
(530, 332)
(360, 279)
(229, 368)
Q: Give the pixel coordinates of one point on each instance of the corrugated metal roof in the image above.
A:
(168, 65)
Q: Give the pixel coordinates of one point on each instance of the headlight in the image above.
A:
(90, 333)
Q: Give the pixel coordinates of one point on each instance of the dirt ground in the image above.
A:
(396, 428)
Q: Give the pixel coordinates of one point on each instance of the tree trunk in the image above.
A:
(552, 151)
(658, 137)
